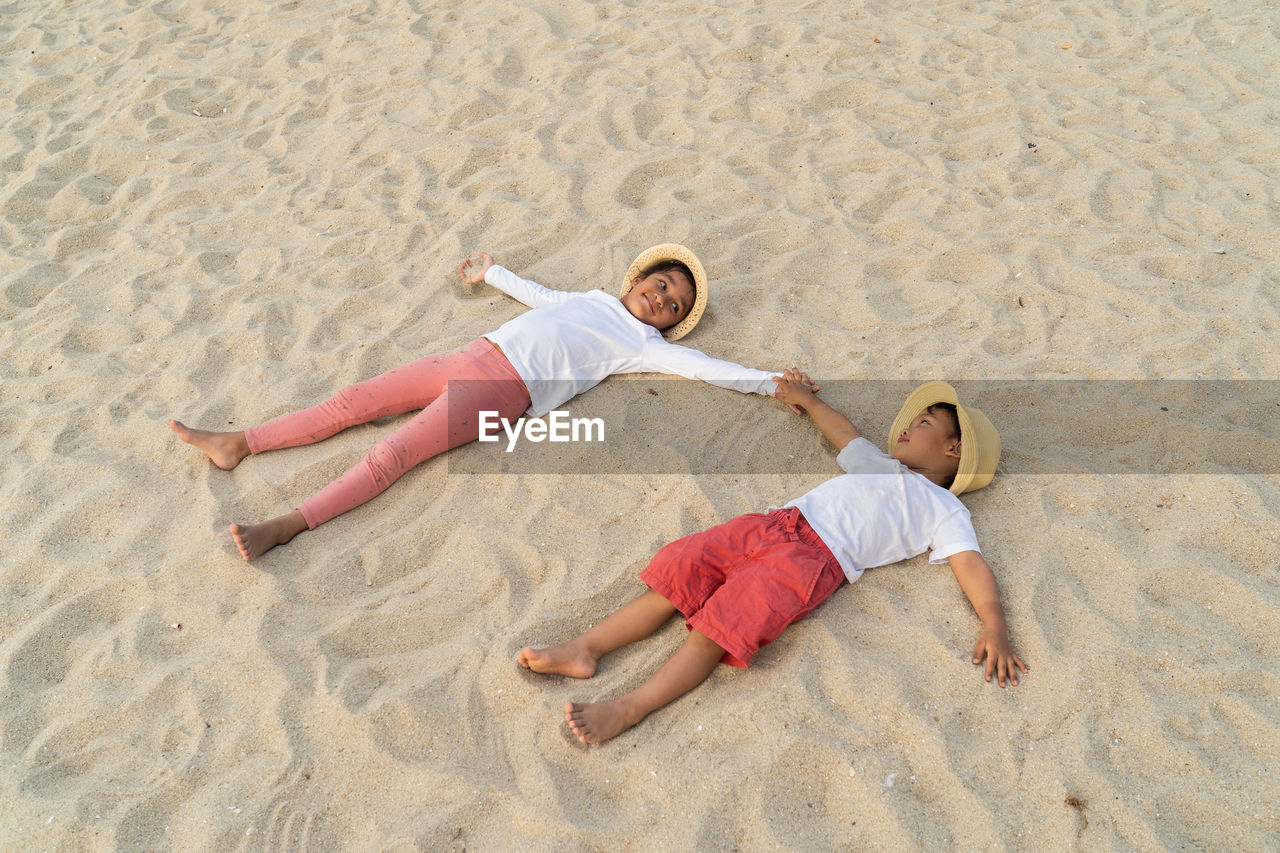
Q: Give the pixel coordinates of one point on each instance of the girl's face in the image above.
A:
(660, 299)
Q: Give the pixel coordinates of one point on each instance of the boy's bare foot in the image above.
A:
(224, 449)
(565, 659)
(254, 540)
(594, 722)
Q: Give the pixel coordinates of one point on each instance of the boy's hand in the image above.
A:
(979, 585)
(993, 644)
(796, 389)
(472, 272)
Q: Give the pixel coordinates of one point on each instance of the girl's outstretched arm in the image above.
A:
(677, 360)
(474, 271)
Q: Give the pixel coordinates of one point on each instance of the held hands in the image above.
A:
(993, 644)
(472, 272)
(796, 389)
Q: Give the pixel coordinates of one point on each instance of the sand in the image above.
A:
(220, 212)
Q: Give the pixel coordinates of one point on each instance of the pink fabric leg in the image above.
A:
(408, 387)
(486, 382)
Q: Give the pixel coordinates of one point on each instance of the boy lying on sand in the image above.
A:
(739, 584)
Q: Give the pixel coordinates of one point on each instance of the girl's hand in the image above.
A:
(795, 388)
(472, 272)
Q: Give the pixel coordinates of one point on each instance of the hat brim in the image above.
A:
(672, 252)
(979, 440)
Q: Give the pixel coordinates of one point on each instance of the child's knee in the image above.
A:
(340, 408)
(704, 644)
(346, 397)
(387, 462)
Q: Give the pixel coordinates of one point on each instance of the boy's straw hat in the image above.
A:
(979, 441)
(673, 252)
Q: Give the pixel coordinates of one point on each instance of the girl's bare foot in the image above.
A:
(225, 449)
(594, 722)
(254, 540)
(565, 659)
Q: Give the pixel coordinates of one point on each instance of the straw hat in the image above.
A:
(672, 252)
(979, 441)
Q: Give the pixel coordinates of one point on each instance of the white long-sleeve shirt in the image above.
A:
(569, 342)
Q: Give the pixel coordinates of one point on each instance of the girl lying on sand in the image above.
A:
(567, 344)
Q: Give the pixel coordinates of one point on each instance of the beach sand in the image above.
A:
(221, 212)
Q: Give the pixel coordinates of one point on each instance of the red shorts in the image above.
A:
(740, 583)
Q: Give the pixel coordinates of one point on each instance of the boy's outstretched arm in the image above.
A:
(795, 389)
(979, 585)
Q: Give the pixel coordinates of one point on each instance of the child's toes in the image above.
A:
(573, 716)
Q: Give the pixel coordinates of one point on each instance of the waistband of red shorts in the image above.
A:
(794, 522)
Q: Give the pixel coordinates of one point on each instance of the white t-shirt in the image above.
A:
(572, 341)
(881, 512)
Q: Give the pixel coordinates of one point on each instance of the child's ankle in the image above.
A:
(582, 645)
(633, 709)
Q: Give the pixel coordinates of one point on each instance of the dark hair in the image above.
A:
(672, 266)
(955, 420)
(955, 417)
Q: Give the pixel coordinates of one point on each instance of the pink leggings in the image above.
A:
(450, 389)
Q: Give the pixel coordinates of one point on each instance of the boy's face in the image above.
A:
(930, 442)
(660, 299)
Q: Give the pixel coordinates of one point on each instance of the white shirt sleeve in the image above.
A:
(953, 535)
(529, 292)
(860, 456)
(662, 357)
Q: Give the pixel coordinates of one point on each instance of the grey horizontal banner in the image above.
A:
(670, 426)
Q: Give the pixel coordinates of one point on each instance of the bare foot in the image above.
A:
(594, 722)
(225, 449)
(254, 540)
(564, 659)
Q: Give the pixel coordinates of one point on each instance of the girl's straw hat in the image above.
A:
(672, 252)
(979, 441)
